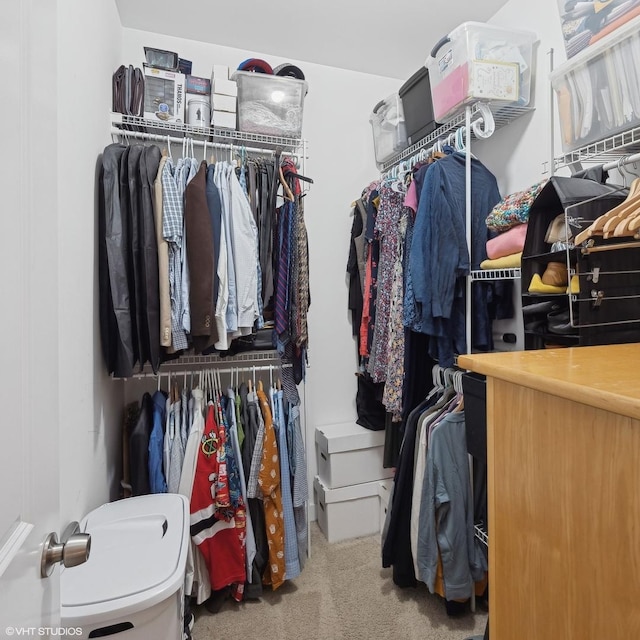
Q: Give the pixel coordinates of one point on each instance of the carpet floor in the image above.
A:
(343, 593)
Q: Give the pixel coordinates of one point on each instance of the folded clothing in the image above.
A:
(514, 261)
(537, 286)
(513, 209)
(507, 243)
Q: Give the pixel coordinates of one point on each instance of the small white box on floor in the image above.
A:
(349, 454)
(384, 493)
(347, 512)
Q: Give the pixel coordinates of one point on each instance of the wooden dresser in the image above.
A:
(563, 447)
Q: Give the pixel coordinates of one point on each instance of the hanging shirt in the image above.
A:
(172, 229)
(176, 454)
(213, 527)
(446, 513)
(245, 251)
(300, 491)
(235, 444)
(292, 562)
(197, 578)
(269, 483)
(157, 482)
(185, 172)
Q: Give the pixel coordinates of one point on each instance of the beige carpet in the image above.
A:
(342, 594)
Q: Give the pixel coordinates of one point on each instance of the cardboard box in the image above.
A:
(223, 103)
(223, 119)
(164, 95)
(348, 512)
(349, 454)
(221, 71)
(197, 85)
(224, 87)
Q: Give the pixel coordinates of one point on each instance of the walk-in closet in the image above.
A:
(321, 320)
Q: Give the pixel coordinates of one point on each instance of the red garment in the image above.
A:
(218, 532)
(366, 310)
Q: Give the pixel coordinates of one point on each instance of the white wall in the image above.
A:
(516, 153)
(336, 112)
(89, 44)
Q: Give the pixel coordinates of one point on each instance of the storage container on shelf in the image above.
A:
(389, 132)
(480, 62)
(270, 105)
(417, 106)
(598, 90)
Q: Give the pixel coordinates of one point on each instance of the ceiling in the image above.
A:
(390, 38)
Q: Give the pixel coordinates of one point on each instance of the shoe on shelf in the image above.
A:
(537, 286)
(540, 308)
(560, 323)
(556, 274)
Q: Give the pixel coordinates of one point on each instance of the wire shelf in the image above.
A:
(607, 149)
(495, 274)
(193, 361)
(502, 116)
(135, 123)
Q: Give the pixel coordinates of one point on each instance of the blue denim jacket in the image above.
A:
(439, 257)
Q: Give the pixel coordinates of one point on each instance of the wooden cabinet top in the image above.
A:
(606, 377)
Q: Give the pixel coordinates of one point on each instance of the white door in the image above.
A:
(29, 488)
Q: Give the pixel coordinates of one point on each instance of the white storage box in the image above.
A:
(598, 90)
(222, 102)
(477, 61)
(223, 119)
(384, 492)
(348, 512)
(270, 105)
(224, 87)
(163, 95)
(132, 586)
(389, 131)
(349, 454)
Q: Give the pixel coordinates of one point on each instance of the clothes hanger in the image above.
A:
(285, 186)
(630, 204)
(626, 226)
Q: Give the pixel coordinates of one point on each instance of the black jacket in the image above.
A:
(113, 239)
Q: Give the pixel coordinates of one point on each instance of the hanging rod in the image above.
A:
(614, 164)
(154, 137)
(270, 367)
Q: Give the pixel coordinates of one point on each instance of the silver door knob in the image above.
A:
(73, 549)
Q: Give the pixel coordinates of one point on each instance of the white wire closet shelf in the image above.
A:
(502, 115)
(611, 148)
(126, 123)
(495, 274)
(191, 361)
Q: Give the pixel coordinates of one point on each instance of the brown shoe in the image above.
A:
(556, 274)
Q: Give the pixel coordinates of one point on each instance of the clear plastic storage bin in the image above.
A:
(477, 61)
(598, 90)
(389, 132)
(271, 105)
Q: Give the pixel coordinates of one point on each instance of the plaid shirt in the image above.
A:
(172, 226)
(256, 460)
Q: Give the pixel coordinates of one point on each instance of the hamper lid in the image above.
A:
(138, 556)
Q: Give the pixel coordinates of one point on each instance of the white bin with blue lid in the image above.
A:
(133, 582)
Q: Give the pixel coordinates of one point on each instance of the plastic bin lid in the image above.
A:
(137, 559)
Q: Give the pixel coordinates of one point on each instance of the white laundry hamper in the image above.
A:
(132, 586)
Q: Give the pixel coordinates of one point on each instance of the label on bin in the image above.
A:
(492, 80)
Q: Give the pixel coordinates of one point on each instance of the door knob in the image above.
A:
(73, 549)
